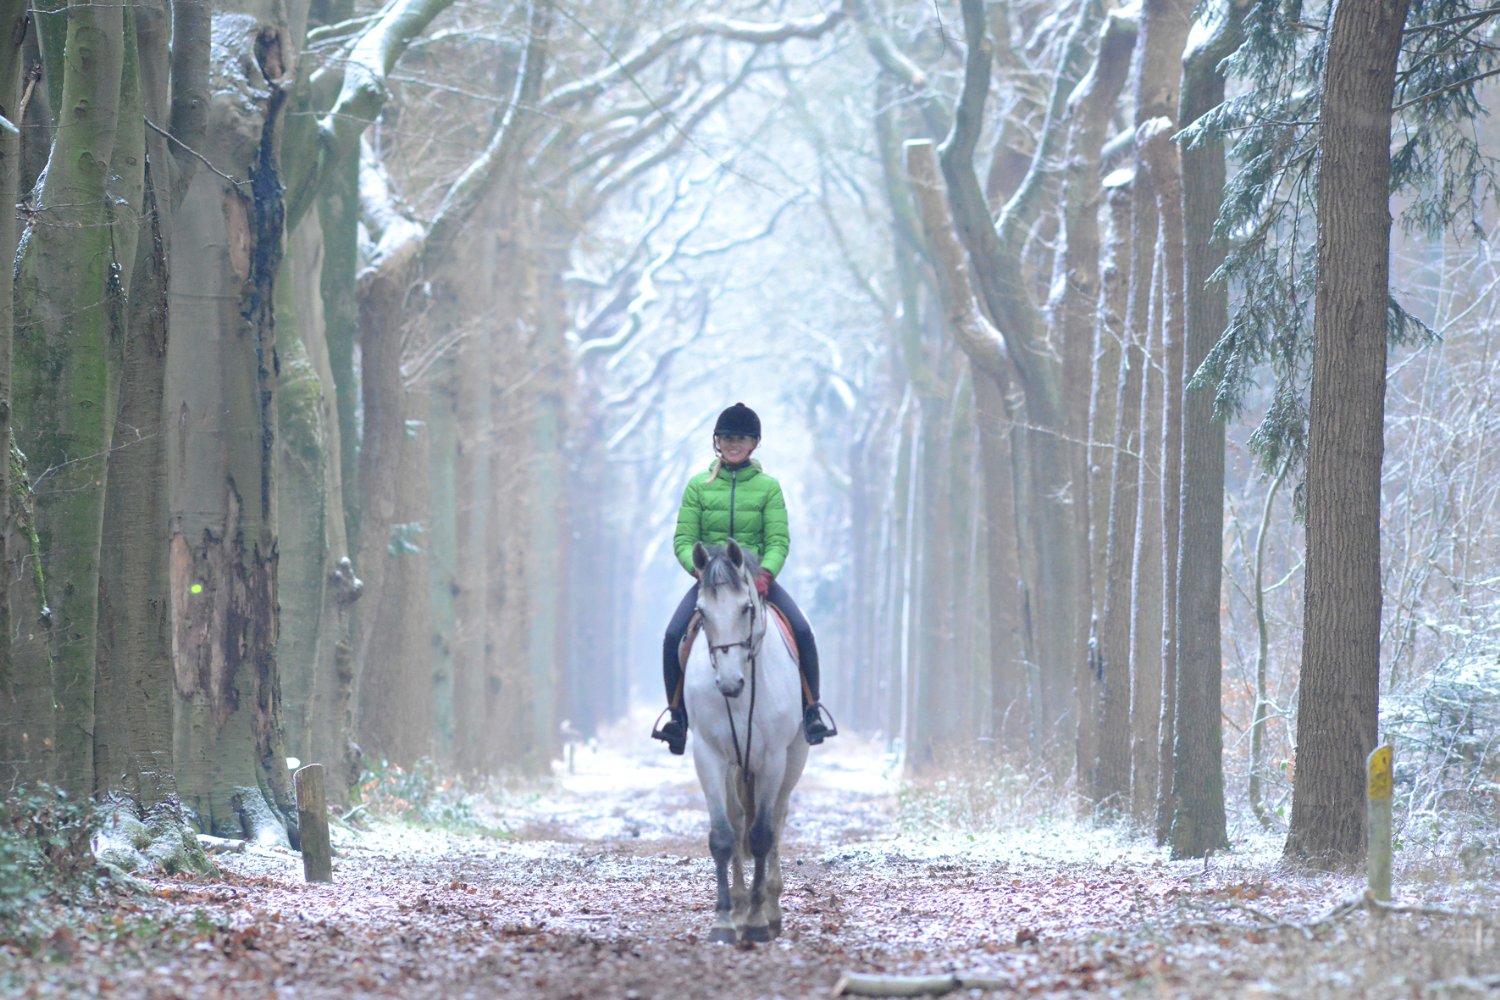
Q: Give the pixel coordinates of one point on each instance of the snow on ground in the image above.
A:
(601, 886)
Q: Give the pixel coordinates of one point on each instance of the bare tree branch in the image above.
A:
(721, 27)
(979, 338)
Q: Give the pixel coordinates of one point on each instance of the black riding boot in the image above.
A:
(814, 729)
(674, 731)
(817, 722)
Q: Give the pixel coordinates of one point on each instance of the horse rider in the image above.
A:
(735, 498)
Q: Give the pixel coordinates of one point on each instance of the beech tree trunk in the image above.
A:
(69, 323)
(1165, 439)
(1339, 698)
(996, 250)
(1155, 81)
(221, 400)
(1078, 266)
(1192, 812)
(14, 749)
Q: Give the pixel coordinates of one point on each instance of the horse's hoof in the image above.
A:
(759, 934)
(776, 928)
(723, 935)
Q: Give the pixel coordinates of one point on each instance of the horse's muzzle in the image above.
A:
(731, 689)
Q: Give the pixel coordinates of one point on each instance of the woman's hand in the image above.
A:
(763, 582)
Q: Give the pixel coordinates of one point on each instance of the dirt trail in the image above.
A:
(604, 889)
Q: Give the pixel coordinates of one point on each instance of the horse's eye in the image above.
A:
(747, 609)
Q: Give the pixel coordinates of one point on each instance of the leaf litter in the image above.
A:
(602, 887)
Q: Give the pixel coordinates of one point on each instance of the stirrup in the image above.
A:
(674, 732)
(814, 729)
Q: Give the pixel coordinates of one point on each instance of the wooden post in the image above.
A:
(1378, 811)
(312, 819)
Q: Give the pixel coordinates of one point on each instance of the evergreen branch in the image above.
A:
(1456, 85)
(1478, 15)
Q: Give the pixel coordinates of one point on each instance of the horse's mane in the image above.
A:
(721, 571)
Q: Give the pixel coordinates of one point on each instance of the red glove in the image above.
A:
(763, 582)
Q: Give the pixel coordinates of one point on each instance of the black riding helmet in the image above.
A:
(738, 419)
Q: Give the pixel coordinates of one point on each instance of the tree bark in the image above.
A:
(1155, 80)
(1192, 727)
(221, 403)
(70, 320)
(1161, 156)
(999, 274)
(1339, 698)
(1108, 368)
(1077, 276)
(15, 751)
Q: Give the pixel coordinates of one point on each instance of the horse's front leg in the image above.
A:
(762, 838)
(796, 759)
(721, 844)
(741, 801)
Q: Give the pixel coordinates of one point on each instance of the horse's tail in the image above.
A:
(740, 787)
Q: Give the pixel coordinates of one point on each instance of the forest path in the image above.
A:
(604, 889)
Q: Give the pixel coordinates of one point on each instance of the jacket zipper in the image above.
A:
(734, 478)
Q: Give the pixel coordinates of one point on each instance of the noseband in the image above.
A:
(748, 642)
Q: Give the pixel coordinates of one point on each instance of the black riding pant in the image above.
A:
(807, 648)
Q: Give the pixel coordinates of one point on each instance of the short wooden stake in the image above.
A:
(1378, 810)
(312, 819)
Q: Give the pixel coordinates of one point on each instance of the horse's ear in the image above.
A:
(700, 556)
(736, 554)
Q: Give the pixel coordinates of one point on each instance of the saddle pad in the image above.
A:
(695, 625)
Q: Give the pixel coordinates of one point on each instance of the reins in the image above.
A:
(750, 651)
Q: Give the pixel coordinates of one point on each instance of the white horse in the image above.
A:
(744, 697)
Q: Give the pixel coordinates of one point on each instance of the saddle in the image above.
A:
(695, 625)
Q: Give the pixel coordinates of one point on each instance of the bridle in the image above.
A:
(752, 650)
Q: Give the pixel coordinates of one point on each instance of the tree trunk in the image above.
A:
(1161, 156)
(1011, 723)
(13, 486)
(1109, 771)
(1146, 606)
(1339, 698)
(222, 413)
(1192, 736)
(70, 323)
(393, 715)
(1108, 368)
(999, 268)
(1077, 275)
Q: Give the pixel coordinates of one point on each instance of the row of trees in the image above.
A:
(1119, 255)
(290, 393)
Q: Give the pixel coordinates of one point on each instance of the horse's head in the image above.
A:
(734, 616)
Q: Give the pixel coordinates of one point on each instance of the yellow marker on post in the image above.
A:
(1378, 768)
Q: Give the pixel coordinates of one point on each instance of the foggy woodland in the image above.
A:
(1130, 370)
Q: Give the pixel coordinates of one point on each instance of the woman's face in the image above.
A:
(735, 448)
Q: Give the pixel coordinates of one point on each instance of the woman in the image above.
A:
(736, 499)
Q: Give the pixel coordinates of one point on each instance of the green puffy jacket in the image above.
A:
(743, 504)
